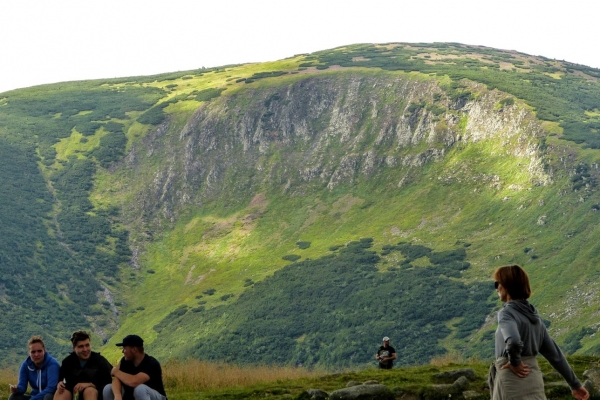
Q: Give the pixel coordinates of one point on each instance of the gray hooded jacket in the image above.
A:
(521, 332)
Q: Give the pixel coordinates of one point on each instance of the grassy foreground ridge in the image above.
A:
(193, 380)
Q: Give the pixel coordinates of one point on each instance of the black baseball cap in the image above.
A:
(132, 340)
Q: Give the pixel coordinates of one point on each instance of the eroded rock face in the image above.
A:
(321, 131)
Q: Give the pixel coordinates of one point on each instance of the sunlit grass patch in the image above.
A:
(77, 144)
(195, 375)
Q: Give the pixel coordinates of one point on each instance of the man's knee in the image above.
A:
(90, 393)
(143, 392)
(140, 392)
(65, 395)
(107, 393)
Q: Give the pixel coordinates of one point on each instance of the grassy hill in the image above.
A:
(312, 204)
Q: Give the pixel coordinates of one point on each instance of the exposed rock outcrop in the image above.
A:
(322, 131)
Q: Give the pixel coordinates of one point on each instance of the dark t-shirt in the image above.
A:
(386, 352)
(151, 367)
(96, 370)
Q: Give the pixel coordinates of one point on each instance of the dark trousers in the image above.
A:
(15, 396)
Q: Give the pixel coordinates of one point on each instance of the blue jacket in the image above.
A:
(43, 381)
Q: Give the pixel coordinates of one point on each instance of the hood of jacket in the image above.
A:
(31, 366)
(525, 308)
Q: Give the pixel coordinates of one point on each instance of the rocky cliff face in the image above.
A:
(322, 131)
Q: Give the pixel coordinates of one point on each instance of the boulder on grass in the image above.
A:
(452, 376)
(313, 394)
(363, 392)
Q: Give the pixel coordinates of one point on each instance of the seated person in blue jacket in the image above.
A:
(40, 370)
(83, 372)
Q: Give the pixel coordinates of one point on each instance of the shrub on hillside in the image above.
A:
(171, 318)
(111, 149)
(208, 94)
(303, 245)
(291, 257)
(154, 116)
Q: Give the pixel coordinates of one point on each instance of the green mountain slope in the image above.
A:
(313, 204)
(327, 311)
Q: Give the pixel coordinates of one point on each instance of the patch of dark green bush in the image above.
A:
(266, 74)
(111, 148)
(572, 341)
(154, 116)
(435, 109)
(208, 94)
(303, 245)
(291, 257)
(414, 107)
(171, 318)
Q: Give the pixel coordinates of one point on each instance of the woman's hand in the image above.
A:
(581, 394)
(521, 370)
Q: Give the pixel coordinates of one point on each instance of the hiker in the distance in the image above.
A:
(40, 370)
(520, 336)
(83, 372)
(386, 354)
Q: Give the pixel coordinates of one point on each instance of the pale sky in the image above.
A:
(48, 41)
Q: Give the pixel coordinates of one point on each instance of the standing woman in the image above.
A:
(40, 370)
(520, 336)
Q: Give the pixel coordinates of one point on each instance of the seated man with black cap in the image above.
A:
(138, 376)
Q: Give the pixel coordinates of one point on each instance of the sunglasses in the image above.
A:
(496, 284)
